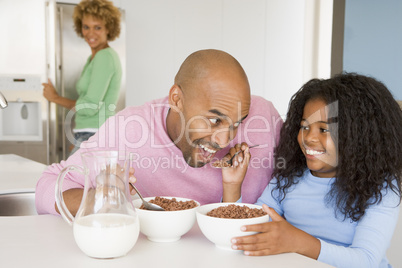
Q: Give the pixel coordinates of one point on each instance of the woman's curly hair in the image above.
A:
(100, 9)
(368, 140)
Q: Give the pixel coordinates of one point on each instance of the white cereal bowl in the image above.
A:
(220, 231)
(165, 226)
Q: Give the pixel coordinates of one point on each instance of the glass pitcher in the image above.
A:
(106, 224)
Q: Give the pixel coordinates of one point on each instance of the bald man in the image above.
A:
(173, 141)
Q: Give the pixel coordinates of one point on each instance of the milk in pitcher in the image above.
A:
(106, 235)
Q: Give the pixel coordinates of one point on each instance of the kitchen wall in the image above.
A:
(278, 42)
(373, 41)
(273, 40)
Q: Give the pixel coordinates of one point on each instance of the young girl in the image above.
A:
(336, 195)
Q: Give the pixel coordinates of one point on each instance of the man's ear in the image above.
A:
(176, 98)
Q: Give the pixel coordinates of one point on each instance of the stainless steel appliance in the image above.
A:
(67, 54)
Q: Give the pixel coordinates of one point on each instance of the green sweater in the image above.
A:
(98, 89)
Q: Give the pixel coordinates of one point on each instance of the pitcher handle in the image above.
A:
(61, 205)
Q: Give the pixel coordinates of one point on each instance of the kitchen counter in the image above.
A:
(47, 241)
(18, 174)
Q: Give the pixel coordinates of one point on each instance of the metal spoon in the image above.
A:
(228, 163)
(146, 204)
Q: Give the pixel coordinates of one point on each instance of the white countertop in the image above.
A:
(18, 174)
(47, 241)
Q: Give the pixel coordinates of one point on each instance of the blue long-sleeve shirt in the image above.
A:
(343, 243)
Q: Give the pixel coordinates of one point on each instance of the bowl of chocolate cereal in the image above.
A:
(169, 225)
(220, 222)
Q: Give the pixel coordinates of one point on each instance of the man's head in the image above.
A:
(209, 99)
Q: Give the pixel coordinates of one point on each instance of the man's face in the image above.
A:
(211, 116)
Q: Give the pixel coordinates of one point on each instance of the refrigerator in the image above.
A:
(66, 56)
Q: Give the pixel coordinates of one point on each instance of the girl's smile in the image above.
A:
(315, 140)
(312, 154)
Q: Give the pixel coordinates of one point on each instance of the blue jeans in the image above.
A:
(78, 138)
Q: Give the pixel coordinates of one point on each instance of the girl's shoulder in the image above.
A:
(389, 195)
(306, 179)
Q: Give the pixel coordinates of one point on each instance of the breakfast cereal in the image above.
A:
(236, 212)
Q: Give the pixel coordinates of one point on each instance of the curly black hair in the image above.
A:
(369, 141)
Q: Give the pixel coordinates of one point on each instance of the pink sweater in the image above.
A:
(160, 168)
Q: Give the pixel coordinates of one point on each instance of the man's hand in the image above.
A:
(232, 177)
(133, 180)
(73, 197)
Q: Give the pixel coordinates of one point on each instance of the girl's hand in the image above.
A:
(277, 236)
(232, 177)
(49, 92)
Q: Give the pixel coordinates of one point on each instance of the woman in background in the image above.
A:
(97, 21)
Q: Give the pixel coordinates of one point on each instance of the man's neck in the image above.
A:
(170, 125)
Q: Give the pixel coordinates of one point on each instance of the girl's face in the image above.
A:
(94, 32)
(315, 140)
